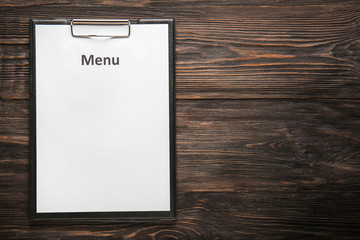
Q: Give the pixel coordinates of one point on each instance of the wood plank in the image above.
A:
(200, 217)
(267, 145)
(245, 169)
(180, 3)
(231, 51)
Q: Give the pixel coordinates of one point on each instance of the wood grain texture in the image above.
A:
(268, 119)
(250, 168)
(225, 49)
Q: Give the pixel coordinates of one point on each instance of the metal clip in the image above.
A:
(102, 22)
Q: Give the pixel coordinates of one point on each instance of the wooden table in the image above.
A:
(268, 119)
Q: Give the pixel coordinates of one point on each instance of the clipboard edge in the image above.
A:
(32, 123)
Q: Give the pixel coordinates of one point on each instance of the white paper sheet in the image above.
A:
(102, 130)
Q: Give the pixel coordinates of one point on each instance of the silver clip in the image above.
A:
(102, 22)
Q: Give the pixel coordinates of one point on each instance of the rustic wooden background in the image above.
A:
(268, 118)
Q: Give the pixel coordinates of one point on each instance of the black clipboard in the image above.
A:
(53, 202)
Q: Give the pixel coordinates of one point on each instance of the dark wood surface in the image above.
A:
(268, 119)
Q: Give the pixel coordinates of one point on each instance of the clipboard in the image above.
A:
(102, 120)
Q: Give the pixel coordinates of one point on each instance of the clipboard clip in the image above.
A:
(111, 28)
